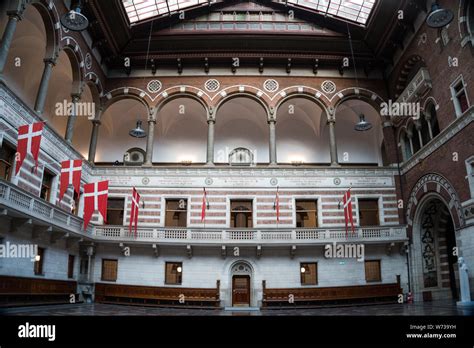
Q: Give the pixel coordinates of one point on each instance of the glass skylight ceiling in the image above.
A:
(353, 10)
(138, 10)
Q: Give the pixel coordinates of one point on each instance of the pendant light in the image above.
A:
(439, 17)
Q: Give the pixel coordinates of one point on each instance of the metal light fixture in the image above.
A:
(438, 16)
(362, 125)
(138, 132)
(74, 20)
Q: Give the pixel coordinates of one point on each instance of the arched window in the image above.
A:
(415, 139)
(425, 130)
(405, 146)
(431, 118)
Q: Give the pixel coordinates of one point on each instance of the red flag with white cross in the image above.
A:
(95, 199)
(70, 175)
(29, 141)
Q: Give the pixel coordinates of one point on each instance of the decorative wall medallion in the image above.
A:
(271, 85)
(212, 85)
(145, 180)
(209, 181)
(154, 86)
(88, 61)
(274, 181)
(337, 181)
(328, 87)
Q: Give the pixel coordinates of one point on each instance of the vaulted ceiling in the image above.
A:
(310, 33)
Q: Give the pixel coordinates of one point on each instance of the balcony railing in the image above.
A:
(44, 213)
(416, 87)
(47, 214)
(250, 236)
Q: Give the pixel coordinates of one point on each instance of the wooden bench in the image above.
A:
(21, 291)
(379, 293)
(158, 296)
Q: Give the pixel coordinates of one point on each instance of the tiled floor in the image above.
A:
(418, 309)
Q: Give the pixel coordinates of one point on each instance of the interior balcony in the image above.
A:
(20, 206)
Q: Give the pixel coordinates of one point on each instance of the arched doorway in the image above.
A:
(434, 256)
(241, 282)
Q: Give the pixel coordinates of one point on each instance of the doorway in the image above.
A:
(241, 291)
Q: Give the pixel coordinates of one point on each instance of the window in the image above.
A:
(47, 185)
(368, 212)
(470, 174)
(115, 211)
(241, 214)
(109, 270)
(459, 96)
(372, 271)
(7, 158)
(173, 273)
(39, 260)
(306, 213)
(309, 273)
(176, 213)
(70, 266)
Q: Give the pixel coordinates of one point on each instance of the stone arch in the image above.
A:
(248, 269)
(50, 20)
(251, 92)
(77, 69)
(121, 94)
(434, 183)
(431, 238)
(164, 101)
(181, 91)
(302, 130)
(91, 78)
(465, 26)
(302, 92)
(366, 95)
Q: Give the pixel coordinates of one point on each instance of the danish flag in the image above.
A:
(95, 199)
(205, 205)
(29, 140)
(134, 211)
(347, 200)
(70, 175)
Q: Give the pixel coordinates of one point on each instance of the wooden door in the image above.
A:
(241, 290)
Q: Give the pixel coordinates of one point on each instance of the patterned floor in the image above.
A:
(419, 309)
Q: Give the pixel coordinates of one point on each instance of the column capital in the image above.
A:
(50, 61)
(271, 120)
(387, 124)
(271, 117)
(16, 14)
(417, 124)
(76, 97)
(211, 114)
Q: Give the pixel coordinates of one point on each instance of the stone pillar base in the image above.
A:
(466, 304)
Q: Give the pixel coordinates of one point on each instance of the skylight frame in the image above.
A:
(141, 10)
(355, 11)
